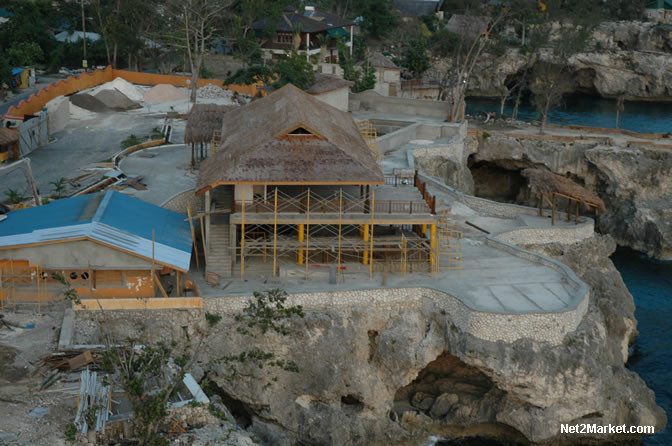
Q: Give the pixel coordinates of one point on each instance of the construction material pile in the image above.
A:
(116, 100)
(212, 91)
(88, 102)
(164, 93)
(124, 87)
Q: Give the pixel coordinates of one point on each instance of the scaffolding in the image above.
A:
(312, 244)
(216, 141)
(449, 243)
(21, 283)
(370, 135)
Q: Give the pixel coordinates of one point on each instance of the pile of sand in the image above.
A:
(116, 100)
(80, 114)
(58, 113)
(88, 102)
(124, 87)
(164, 93)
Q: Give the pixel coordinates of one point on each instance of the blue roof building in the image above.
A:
(109, 219)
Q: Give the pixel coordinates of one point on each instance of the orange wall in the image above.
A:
(72, 84)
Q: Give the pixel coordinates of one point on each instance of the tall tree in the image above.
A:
(195, 24)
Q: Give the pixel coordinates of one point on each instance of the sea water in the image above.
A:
(650, 282)
(641, 117)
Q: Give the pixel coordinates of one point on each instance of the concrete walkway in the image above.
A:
(165, 171)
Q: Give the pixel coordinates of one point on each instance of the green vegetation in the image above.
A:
(59, 186)
(14, 196)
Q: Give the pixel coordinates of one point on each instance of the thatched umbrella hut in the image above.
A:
(549, 185)
(9, 144)
(203, 124)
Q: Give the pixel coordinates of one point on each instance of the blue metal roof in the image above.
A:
(16, 71)
(112, 218)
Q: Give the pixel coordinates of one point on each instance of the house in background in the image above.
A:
(416, 8)
(106, 245)
(659, 11)
(9, 144)
(388, 75)
(332, 90)
(310, 32)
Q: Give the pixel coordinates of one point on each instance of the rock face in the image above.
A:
(395, 377)
(625, 58)
(635, 182)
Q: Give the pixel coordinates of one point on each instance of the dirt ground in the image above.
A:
(22, 372)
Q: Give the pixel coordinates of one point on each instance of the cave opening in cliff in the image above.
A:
(240, 411)
(496, 182)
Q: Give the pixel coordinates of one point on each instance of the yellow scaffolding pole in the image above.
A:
(2, 293)
(275, 233)
(301, 237)
(242, 238)
(404, 255)
(432, 245)
(39, 296)
(307, 233)
(365, 258)
(373, 207)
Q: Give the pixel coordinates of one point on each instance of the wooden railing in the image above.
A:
(331, 206)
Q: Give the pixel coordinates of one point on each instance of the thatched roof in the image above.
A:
(328, 82)
(8, 136)
(289, 137)
(203, 120)
(549, 183)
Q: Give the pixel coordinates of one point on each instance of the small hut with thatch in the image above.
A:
(9, 144)
(549, 185)
(203, 128)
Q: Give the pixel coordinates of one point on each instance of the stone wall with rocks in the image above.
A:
(565, 235)
(179, 202)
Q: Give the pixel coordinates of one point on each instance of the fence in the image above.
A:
(73, 84)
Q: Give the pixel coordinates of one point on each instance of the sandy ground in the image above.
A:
(21, 373)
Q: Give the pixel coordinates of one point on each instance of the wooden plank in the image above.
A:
(158, 282)
(145, 303)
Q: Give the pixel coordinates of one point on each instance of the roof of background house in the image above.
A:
(74, 36)
(256, 146)
(313, 21)
(416, 8)
(8, 136)
(379, 60)
(659, 4)
(469, 26)
(203, 120)
(111, 218)
(328, 82)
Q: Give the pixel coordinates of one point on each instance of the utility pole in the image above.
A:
(85, 63)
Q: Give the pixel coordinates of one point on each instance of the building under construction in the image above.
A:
(292, 183)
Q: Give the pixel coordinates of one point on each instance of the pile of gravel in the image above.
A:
(116, 100)
(212, 91)
(88, 102)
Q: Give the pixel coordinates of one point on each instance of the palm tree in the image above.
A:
(14, 196)
(59, 186)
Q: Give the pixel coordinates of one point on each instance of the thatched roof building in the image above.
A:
(8, 136)
(549, 184)
(203, 120)
(289, 137)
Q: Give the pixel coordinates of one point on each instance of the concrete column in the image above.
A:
(233, 240)
(352, 29)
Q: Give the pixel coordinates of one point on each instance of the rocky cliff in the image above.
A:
(634, 181)
(395, 377)
(632, 59)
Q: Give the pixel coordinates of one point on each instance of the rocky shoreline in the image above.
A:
(629, 59)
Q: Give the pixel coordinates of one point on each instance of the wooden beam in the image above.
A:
(158, 282)
(193, 237)
(144, 303)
